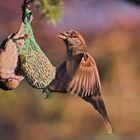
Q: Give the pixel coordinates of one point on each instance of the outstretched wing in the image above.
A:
(64, 74)
(86, 82)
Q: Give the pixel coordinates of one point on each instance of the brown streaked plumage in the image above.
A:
(8, 64)
(78, 75)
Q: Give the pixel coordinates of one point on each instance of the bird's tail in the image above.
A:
(99, 105)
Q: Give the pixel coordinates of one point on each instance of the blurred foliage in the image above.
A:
(50, 9)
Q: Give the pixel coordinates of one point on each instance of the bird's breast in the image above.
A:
(73, 63)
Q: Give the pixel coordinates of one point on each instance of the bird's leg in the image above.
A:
(20, 38)
(47, 92)
(23, 37)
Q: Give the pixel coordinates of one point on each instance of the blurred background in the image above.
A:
(111, 29)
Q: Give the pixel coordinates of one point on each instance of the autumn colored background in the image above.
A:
(111, 29)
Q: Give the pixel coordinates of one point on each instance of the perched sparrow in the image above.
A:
(78, 75)
(8, 64)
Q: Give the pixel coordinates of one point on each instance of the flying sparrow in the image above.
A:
(78, 75)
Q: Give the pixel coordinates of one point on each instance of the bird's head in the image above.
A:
(74, 41)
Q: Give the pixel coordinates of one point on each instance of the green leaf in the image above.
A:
(50, 9)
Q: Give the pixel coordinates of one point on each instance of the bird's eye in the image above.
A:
(72, 35)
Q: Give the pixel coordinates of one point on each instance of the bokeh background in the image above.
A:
(111, 29)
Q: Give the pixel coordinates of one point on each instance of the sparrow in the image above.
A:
(78, 75)
(9, 78)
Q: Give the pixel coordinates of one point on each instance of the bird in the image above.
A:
(9, 78)
(34, 64)
(79, 76)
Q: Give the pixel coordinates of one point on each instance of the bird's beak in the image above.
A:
(63, 35)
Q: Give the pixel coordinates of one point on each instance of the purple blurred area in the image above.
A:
(111, 29)
(100, 15)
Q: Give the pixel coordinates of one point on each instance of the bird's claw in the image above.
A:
(48, 93)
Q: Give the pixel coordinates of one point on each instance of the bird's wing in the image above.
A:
(86, 82)
(63, 75)
(60, 83)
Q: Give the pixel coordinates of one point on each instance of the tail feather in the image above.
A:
(99, 105)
